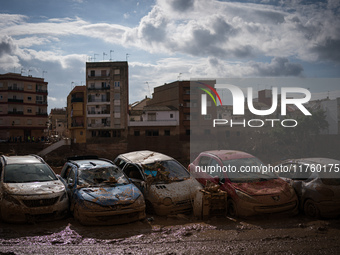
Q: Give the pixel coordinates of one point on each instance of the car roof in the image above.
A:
(26, 159)
(228, 154)
(321, 161)
(144, 157)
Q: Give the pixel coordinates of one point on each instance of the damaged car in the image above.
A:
(250, 191)
(167, 186)
(100, 193)
(30, 190)
(317, 184)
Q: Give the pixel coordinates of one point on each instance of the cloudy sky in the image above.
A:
(167, 40)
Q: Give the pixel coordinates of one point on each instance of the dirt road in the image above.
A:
(176, 235)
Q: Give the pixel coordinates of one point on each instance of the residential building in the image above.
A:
(76, 114)
(58, 122)
(107, 89)
(23, 106)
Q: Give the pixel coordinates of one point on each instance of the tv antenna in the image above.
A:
(110, 54)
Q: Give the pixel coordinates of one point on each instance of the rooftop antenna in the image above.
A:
(28, 73)
(148, 88)
(127, 54)
(43, 73)
(22, 70)
(179, 76)
(89, 58)
(94, 57)
(110, 54)
(104, 55)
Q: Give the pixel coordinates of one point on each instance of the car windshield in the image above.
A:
(103, 176)
(165, 171)
(20, 173)
(247, 170)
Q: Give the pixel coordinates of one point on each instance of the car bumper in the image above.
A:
(180, 207)
(11, 212)
(248, 209)
(110, 217)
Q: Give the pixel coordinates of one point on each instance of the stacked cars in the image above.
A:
(98, 191)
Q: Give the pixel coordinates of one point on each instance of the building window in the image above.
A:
(151, 132)
(1, 85)
(188, 132)
(171, 115)
(116, 96)
(117, 84)
(29, 87)
(117, 71)
(117, 109)
(136, 133)
(166, 132)
(103, 72)
(29, 98)
(116, 133)
(151, 116)
(29, 110)
(29, 122)
(81, 132)
(93, 73)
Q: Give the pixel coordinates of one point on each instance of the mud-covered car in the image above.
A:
(29, 190)
(250, 191)
(317, 184)
(167, 186)
(100, 193)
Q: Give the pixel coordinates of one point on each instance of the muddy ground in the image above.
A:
(179, 234)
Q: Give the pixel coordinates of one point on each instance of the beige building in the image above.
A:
(107, 88)
(76, 114)
(23, 106)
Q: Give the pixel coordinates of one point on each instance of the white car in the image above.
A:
(167, 186)
(30, 190)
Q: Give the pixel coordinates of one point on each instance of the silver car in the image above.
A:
(317, 184)
(167, 186)
(30, 190)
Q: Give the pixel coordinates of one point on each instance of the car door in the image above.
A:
(134, 173)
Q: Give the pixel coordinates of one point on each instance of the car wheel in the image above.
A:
(232, 209)
(311, 209)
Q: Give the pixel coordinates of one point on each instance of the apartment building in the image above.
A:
(107, 89)
(23, 106)
(76, 114)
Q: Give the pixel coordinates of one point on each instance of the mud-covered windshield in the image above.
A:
(247, 170)
(21, 173)
(165, 171)
(104, 176)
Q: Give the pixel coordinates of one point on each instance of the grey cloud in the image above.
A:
(6, 46)
(181, 5)
(153, 33)
(328, 50)
(277, 67)
(270, 16)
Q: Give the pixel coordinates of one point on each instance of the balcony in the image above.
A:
(153, 123)
(101, 88)
(98, 100)
(15, 89)
(99, 125)
(77, 100)
(41, 114)
(77, 125)
(41, 102)
(16, 112)
(12, 100)
(41, 90)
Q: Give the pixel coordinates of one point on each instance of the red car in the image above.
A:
(250, 190)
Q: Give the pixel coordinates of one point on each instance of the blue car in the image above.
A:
(100, 193)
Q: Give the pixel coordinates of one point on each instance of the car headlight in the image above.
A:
(245, 197)
(167, 201)
(11, 199)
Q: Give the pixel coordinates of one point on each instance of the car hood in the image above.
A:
(269, 187)
(125, 194)
(34, 188)
(177, 191)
